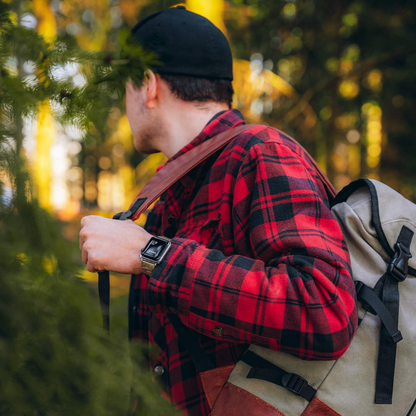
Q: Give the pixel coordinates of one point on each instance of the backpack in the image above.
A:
(378, 225)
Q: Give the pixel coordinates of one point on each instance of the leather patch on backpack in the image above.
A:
(318, 408)
(213, 381)
(234, 401)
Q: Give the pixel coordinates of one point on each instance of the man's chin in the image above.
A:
(149, 151)
(145, 148)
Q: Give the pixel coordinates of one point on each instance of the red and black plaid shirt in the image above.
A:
(256, 258)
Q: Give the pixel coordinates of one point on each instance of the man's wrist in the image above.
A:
(153, 253)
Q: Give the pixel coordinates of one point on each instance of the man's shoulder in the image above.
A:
(259, 136)
(268, 145)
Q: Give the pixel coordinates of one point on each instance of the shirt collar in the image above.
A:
(216, 115)
(222, 121)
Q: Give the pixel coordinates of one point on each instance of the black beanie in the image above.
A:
(186, 43)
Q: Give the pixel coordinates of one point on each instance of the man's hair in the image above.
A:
(189, 88)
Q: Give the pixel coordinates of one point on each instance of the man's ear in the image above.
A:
(150, 83)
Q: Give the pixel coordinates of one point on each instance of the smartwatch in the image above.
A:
(153, 253)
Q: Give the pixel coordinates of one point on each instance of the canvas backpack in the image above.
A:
(378, 225)
(377, 374)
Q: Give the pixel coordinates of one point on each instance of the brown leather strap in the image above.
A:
(179, 167)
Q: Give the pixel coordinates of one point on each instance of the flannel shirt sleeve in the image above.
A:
(295, 295)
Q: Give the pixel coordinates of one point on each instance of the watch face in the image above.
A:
(154, 248)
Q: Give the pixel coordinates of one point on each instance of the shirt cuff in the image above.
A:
(168, 289)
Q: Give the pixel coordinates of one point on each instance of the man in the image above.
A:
(256, 256)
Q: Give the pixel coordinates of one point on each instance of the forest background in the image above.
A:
(340, 77)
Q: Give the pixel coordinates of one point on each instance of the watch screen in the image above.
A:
(154, 248)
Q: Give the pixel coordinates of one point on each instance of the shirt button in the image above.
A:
(171, 219)
(218, 331)
(159, 370)
(173, 310)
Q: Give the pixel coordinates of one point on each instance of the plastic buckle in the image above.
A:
(399, 265)
(294, 383)
(396, 337)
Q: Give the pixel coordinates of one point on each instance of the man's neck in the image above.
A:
(185, 122)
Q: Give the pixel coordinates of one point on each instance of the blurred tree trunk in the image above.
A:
(42, 168)
(213, 10)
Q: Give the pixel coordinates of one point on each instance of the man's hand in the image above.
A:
(112, 245)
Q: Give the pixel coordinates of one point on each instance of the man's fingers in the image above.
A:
(104, 244)
(91, 268)
(86, 235)
(85, 256)
(83, 234)
(93, 261)
(85, 220)
(81, 239)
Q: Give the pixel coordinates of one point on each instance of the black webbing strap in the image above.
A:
(104, 295)
(265, 370)
(366, 294)
(411, 408)
(191, 344)
(262, 369)
(397, 272)
(104, 277)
